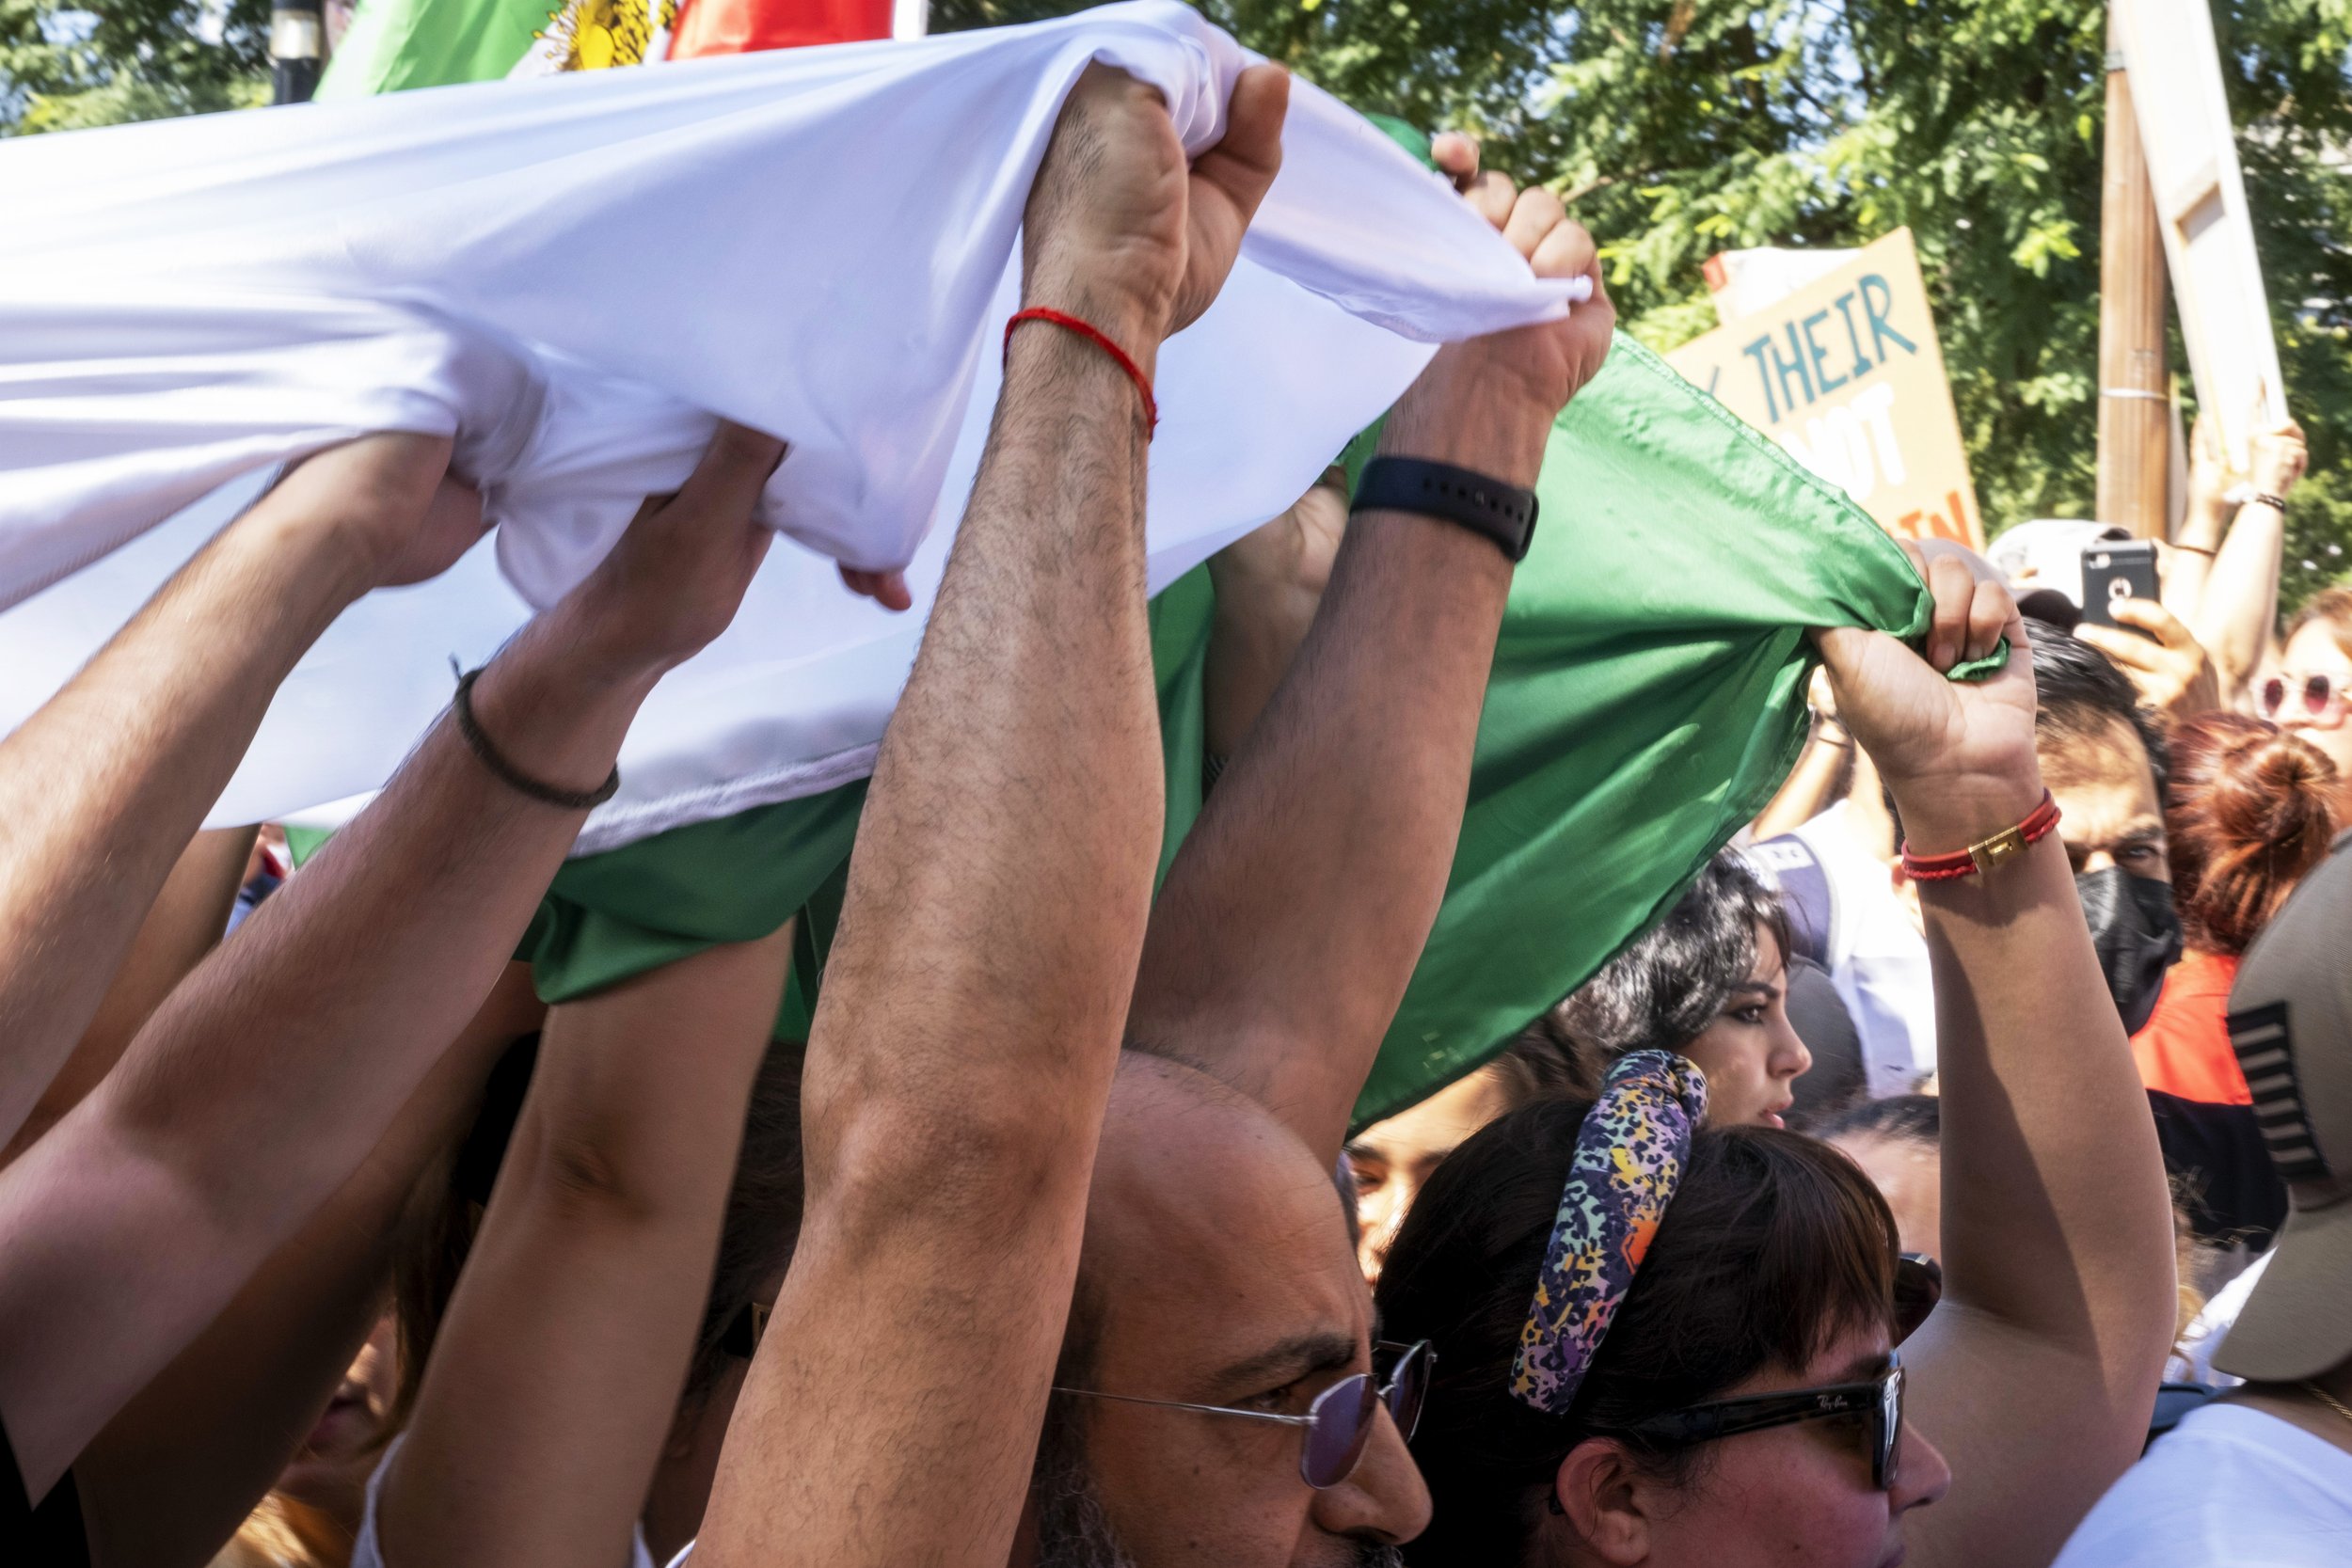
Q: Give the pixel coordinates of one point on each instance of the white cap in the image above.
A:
(2047, 552)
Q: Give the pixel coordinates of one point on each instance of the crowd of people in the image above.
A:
(1981, 1117)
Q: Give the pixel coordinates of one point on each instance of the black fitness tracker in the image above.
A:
(1487, 507)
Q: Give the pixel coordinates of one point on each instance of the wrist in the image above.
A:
(352, 513)
(1480, 422)
(2205, 524)
(1127, 316)
(554, 713)
(1945, 815)
(321, 563)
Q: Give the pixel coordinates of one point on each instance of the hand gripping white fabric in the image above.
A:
(573, 276)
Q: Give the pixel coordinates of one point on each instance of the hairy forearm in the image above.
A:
(961, 1056)
(103, 787)
(2240, 598)
(302, 1038)
(2056, 1218)
(1002, 873)
(1274, 926)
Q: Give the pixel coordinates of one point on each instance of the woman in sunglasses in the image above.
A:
(2309, 694)
(1658, 1340)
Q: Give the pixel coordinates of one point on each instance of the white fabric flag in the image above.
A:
(572, 276)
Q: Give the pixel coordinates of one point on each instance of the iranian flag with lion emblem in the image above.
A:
(396, 44)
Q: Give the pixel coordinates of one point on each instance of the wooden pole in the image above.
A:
(2135, 401)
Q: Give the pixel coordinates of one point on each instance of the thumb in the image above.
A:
(734, 469)
(1843, 651)
(1241, 166)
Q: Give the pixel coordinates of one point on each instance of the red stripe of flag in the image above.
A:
(742, 26)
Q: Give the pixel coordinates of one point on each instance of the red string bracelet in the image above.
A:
(1982, 856)
(1102, 339)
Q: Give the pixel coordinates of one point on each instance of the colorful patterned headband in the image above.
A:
(1630, 1158)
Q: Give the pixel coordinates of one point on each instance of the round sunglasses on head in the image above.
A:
(2318, 693)
(1339, 1423)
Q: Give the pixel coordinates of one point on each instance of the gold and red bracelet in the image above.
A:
(1985, 854)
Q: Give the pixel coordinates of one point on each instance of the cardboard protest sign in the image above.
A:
(2208, 228)
(1846, 373)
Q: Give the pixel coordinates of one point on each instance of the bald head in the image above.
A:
(1218, 1271)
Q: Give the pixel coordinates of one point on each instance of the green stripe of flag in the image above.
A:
(393, 45)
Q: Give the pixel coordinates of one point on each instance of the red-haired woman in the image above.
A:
(2248, 810)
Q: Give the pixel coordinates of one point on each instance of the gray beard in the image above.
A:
(1073, 1529)
(1074, 1532)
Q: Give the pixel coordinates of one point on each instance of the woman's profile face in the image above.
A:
(1751, 1056)
(330, 1471)
(1793, 1494)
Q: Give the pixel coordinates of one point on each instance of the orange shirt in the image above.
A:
(2184, 1050)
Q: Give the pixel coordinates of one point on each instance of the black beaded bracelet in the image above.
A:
(511, 776)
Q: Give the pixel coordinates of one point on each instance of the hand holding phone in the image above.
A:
(2113, 570)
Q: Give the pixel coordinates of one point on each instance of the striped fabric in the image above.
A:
(2266, 1055)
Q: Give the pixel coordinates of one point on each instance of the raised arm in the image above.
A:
(2204, 523)
(185, 1462)
(555, 1376)
(102, 788)
(1299, 903)
(268, 1075)
(963, 1052)
(2239, 604)
(2037, 1374)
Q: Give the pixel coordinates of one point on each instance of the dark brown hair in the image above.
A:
(1773, 1245)
(1661, 989)
(2248, 810)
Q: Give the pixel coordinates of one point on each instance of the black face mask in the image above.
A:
(2138, 936)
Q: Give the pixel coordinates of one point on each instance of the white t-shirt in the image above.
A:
(1877, 958)
(367, 1553)
(2230, 1485)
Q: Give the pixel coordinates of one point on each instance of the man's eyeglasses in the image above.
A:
(1339, 1423)
(2318, 693)
(1879, 1403)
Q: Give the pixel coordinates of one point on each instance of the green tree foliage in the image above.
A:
(1679, 128)
(65, 67)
